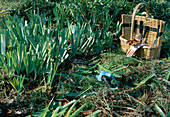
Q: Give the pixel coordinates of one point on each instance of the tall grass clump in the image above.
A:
(31, 48)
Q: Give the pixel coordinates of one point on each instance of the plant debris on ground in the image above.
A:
(52, 50)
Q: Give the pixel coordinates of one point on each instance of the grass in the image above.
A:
(30, 86)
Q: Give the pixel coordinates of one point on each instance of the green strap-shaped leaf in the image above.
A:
(160, 111)
(70, 110)
(145, 80)
(94, 114)
(167, 75)
(2, 44)
(78, 111)
(55, 112)
(42, 113)
(103, 68)
(32, 41)
(68, 104)
(61, 113)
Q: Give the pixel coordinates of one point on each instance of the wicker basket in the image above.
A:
(133, 25)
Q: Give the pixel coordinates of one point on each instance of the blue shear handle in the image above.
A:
(102, 73)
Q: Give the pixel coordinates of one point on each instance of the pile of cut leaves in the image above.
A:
(143, 90)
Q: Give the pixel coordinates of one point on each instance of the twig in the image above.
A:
(84, 91)
(105, 102)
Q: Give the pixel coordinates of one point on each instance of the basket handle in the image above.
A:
(134, 14)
